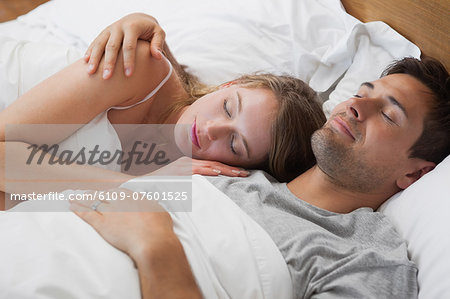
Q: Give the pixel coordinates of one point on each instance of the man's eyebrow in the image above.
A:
(396, 103)
(368, 84)
(391, 98)
(244, 141)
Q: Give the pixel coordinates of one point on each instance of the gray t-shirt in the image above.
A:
(329, 255)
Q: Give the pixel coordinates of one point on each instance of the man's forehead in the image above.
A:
(402, 90)
(399, 82)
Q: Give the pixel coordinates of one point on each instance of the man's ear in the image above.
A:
(421, 167)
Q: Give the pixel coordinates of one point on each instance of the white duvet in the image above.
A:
(57, 255)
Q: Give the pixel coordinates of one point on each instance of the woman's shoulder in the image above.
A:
(149, 73)
(143, 54)
(156, 85)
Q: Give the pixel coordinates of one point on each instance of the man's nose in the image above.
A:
(217, 129)
(361, 108)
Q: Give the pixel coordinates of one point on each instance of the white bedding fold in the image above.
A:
(59, 256)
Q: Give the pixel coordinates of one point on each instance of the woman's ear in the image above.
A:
(422, 168)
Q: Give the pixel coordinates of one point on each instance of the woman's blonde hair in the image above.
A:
(299, 115)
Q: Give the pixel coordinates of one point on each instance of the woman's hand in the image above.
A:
(188, 166)
(124, 33)
(133, 227)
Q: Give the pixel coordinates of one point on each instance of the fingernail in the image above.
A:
(106, 73)
(245, 172)
(217, 171)
(128, 72)
(236, 171)
(90, 67)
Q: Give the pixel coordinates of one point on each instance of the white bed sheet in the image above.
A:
(59, 256)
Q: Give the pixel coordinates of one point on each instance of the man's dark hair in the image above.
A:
(434, 143)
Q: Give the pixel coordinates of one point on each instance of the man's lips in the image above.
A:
(194, 136)
(343, 126)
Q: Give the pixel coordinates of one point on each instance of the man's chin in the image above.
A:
(324, 143)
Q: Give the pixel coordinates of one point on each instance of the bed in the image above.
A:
(316, 41)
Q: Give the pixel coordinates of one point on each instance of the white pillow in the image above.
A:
(420, 214)
(222, 39)
(373, 46)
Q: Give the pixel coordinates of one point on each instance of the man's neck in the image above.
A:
(316, 188)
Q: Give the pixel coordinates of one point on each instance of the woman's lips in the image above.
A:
(194, 136)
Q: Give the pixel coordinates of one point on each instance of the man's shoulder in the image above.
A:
(258, 181)
(330, 253)
(324, 249)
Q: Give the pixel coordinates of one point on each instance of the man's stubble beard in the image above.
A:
(344, 166)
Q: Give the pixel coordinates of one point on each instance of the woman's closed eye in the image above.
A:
(232, 144)
(233, 137)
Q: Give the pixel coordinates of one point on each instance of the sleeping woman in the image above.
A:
(255, 121)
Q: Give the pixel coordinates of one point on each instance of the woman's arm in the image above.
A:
(71, 96)
(21, 177)
(25, 178)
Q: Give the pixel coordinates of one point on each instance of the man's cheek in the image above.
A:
(339, 108)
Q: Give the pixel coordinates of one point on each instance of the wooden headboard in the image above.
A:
(424, 22)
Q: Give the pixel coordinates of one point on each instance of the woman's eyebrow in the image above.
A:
(239, 101)
(246, 147)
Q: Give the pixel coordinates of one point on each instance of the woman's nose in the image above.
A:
(217, 129)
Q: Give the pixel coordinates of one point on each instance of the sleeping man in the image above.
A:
(378, 142)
